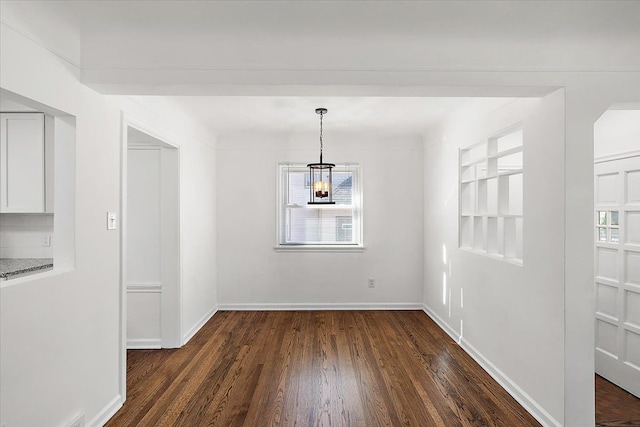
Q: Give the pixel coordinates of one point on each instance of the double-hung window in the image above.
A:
(301, 225)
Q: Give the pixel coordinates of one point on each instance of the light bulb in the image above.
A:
(321, 189)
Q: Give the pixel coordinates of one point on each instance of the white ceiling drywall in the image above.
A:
(617, 131)
(383, 116)
(9, 105)
(136, 137)
(341, 48)
(140, 47)
(46, 23)
(272, 33)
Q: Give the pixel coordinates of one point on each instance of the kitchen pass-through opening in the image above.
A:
(37, 189)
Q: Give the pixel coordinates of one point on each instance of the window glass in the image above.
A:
(615, 235)
(602, 217)
(602, 234)
(335, 224)
(614, 218)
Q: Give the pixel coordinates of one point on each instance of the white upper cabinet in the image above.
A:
(22, 163)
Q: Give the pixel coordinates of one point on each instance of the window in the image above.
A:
(491, 196)
(325, 226)
(607, 226)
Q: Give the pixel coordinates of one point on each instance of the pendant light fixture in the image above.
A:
(320, 190)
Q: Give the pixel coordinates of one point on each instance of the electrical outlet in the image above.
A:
(78, 422)
(372, 283)
(47, 241)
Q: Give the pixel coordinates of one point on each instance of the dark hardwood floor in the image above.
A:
(614, 406)
(315, 368)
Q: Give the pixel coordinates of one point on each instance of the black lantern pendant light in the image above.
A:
(320, 190)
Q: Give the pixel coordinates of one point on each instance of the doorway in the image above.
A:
(617, 260)
(151, 244)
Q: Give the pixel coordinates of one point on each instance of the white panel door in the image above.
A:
(617, 272)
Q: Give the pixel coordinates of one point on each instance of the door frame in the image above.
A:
(127, 122)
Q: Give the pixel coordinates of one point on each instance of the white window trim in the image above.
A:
(320, 248)
(334, 248)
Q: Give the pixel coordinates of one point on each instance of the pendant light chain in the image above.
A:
(320, 175)
(321, 114)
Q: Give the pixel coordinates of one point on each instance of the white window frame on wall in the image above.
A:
(483, 230)
(356, 245)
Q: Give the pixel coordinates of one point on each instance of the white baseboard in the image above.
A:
(319, 306)
(199, 324)
(144, 344)
(527, 402)
(108, 412)
(455, 335)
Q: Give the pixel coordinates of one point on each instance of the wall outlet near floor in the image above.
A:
(46, 242)
(372, 283)
(77, 422)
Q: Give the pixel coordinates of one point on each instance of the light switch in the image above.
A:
(112, 220)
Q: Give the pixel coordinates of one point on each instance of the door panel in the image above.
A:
(607, 265)
(606, 338)
(633, 308)
(606, 189)
(632, 236)
(632, 265)
(633, 349)
(633, 187)
(617, 272)
(606, 299)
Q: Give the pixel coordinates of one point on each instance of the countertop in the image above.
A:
(10, 267)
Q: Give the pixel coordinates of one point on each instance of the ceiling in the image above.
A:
(112, 36)
(382, 116)
(618, 125)
(377, 59)
(7, 104)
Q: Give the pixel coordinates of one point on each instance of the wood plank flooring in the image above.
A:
(615, 407)
(315, 368)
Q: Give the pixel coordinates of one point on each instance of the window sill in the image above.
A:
(319, 248)
(515, 261)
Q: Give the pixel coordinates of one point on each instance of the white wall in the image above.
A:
(198, 195)
(510, 315)
(616, 131)
(64, 323)
(252, 274)
(60, 350)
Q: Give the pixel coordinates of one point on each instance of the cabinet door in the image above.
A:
(22, 162)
